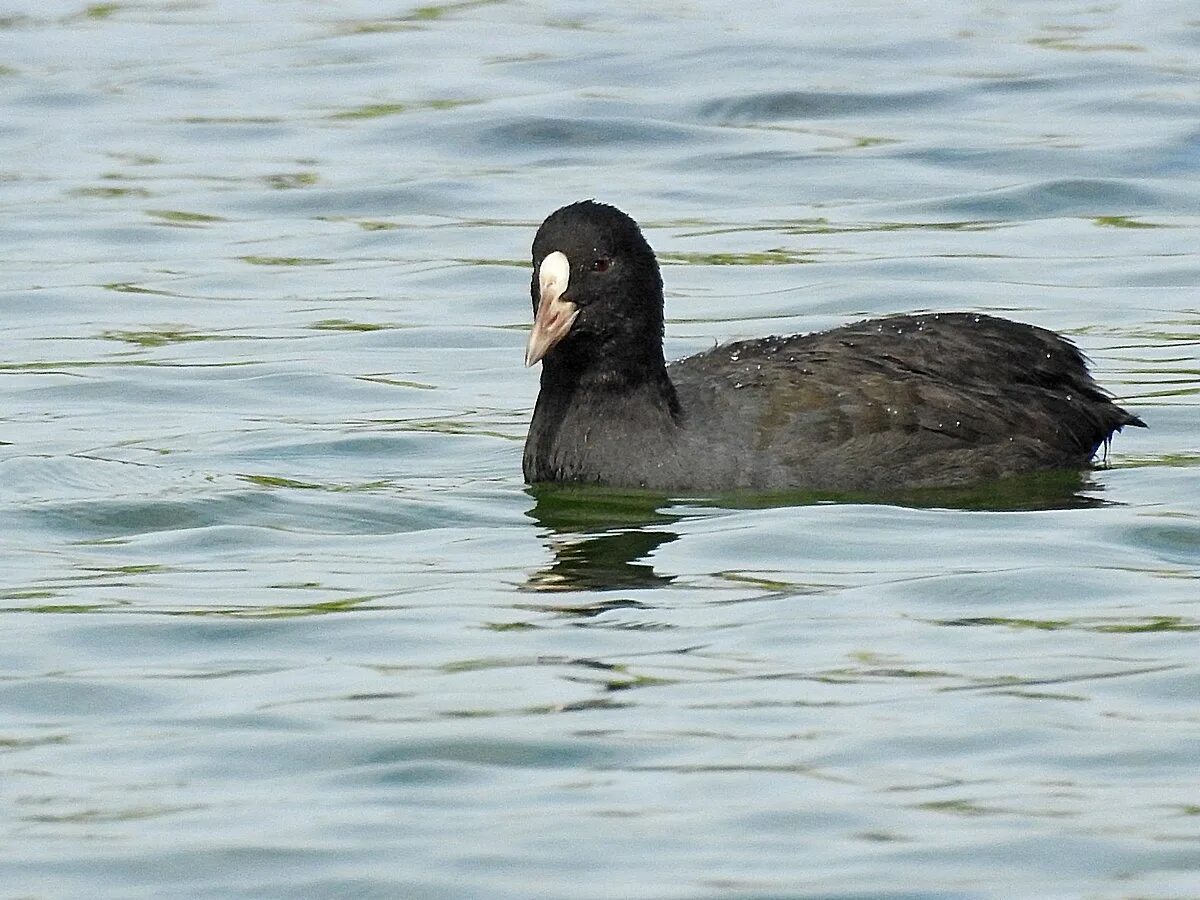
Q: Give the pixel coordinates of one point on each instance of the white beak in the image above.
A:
(555, 316)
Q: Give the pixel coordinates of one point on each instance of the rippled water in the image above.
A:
(280, 616)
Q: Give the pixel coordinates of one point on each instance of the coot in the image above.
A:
(907, 401)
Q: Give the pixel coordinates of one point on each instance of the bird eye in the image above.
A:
(601, 264)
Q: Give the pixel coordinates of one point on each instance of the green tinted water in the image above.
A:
(281, 617)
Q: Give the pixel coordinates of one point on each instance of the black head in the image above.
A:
(597, 294)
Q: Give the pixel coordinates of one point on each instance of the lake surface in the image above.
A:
(281, 618)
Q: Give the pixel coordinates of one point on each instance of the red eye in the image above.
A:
(601, 264)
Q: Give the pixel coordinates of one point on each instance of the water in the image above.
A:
(281, 618)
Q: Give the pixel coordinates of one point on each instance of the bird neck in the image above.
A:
(581, 424)
(629, 380)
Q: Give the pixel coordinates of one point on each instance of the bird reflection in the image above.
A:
(601, 538)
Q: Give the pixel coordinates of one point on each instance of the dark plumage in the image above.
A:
(894, 403)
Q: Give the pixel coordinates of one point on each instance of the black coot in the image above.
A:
(894, 403)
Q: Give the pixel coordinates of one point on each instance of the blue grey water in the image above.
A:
(280, 617)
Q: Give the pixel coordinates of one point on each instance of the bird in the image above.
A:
(900, 402)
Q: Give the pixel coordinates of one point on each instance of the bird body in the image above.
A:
(911, 401)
